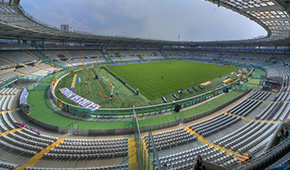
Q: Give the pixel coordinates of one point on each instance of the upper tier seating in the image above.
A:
(15, 56)
(27, 70)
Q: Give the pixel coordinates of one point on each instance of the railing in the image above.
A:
(13, 79)
(129, 129)
(145, 111)
(123, 113)
(143, 152)
(267, 158)
(160, 126)
(194, 117)
(7, 82)
(130, 111)
(36, 20)
(155, 157)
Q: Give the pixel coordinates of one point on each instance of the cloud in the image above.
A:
(194, 20)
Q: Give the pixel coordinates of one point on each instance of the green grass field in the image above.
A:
(177, 74)
(41, 111)
(190, 112)
(126, 98)
(146, 77)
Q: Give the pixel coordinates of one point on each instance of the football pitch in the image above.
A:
(164, 78)
(147, 77)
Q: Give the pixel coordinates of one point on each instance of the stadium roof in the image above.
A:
(272, 15)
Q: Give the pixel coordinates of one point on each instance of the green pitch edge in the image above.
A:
(40, 111)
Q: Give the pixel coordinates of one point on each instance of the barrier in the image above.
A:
(123, 113)
(159, 126)
(127, 113)
(93, 132)
(143, 152)
(9, 81)
(159, 109)
(41, 124)
(194, 117)
(267, 158)
(123, 82)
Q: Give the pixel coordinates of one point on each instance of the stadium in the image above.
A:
(73, 100)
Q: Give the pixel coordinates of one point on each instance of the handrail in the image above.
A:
(262, 160)
(124, 113)
(155, 154)
(169, 106)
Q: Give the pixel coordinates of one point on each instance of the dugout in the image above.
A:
(272, 85)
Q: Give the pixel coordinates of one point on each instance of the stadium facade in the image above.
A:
(273, 16)
(247, 145)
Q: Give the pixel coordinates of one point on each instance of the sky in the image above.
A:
(193, 20)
